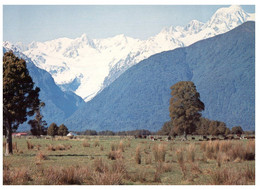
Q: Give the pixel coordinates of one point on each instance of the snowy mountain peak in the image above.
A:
(229, 10)
(194, 26)
(86, 66)
(227, 18)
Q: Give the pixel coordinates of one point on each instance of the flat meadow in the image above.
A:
(115, 160)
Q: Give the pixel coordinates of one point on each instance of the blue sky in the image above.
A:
(27, 23)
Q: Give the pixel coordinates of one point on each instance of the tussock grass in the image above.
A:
(63, 176)
(138, 158)
(229, 150)
(96, 143)
(191, 153)
(148, 159)
(15, 176)
(121, 146)
(41, 156)
(159, 152)
(30, 146)
(85, 143)
(114, 155)
(233, 176)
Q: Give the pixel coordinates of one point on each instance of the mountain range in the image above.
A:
(86, 66)
(126, 81)
(222, 68)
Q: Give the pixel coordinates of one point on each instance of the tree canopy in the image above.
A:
(52, 130)
(20, 98)
(185, 107)
(63, 130)
(38, 124)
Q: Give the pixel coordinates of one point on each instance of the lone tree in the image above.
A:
(185, 107)
(52, 130)
(20, 98)
(38, 124)
(63, 130)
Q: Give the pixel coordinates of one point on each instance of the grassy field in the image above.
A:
(116, 160)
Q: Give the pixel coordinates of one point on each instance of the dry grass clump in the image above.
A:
(58, 147)
(138, 157)
(138, 176)
(157, 177)
(233, 176)
(29, 145)
(110, 176)
(16, 176)
(114, 147)
(40, 156)
(148, 159)
(180, 156)
(229, 150)
(121, 146)
(96, 143)
(164, 167)
(51, 147)
(180, 160)
(63, 176)
(195, 168)
(159, 152)
(100, 166)
(191, 153)
(85, 144)
(128, 144)
(114, 155)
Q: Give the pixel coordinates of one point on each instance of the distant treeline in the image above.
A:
(112, 133)
(166, 130)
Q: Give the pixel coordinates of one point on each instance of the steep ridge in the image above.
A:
(222, 68)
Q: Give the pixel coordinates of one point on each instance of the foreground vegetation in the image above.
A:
(89, 160)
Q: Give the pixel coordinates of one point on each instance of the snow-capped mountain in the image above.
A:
(86, 66)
